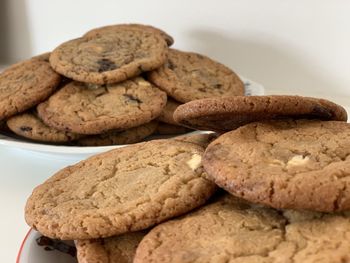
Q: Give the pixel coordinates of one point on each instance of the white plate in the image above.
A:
(251, 88)
(31, 252)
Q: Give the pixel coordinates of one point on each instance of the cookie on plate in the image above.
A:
(169, 129)
(110, 58)
(112, 28)
(225, 114)
(132, 135)
(168, 112)
(231, 230)
(119, 249)
(120, 191)
(89, 109)
(24, 85)
(189, 76)
(296, 164)
(30, 126)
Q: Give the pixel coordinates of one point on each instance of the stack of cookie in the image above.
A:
(114, 85)
(283, 166)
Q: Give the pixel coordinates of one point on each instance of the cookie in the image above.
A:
(296, 164)
(190, 76)
(89, 109)
(29, 125)
(24, 85)
(132, 135)
(168, 112)
(110, 58)
(112, 28)
(119, 249)
(169, 129)
(231, 230)
(225, 114)
(203, 139)
(123, 190)
(43, 57)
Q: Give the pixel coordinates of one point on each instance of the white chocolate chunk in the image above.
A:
(298, 160)
(195, 161)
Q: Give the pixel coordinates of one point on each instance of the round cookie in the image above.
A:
(297, 164)
(132, 135)
(29, 125)
(168, 112)
(89, 109)
(231, 230)
(119, 249)
(169, 129)
(112, 28)
(24, 85)
(190, 76)
(110, 58)
(123, 190)
(225, 114)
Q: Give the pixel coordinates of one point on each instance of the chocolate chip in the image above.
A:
(202, 89)
(171, 65)
(132, 98)
(322, 112)
(53, 244)
(217, 86)
(26, 128)
(106, 65)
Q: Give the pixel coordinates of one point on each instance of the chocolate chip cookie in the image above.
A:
(225, 114)
(189, 76)
(123, 190)
(296, 164)
(92, 109)
(30, 126)
(132, 135)
(112, 28)
(231, 230)
(110, 58)
(24, 85)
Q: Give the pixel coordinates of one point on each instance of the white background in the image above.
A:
(290, 46)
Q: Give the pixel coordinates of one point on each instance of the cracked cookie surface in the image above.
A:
(232, 230)
(30, 126)
(111, 28)
(119, 249)
(189, 76)
(24, 85)
(110, 58)
(226, 114)
(90, 109)
(132, 135)
(297, 164)
(123, 190)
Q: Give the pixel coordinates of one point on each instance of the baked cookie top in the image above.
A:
(110, 58)
(24, 85)
(168, 112)
(119, 249)
(90, 109)
(30, 126)
(112, 28)
(231, 230)
(189, 76)
(297, 164)
(123, 190)
(132, 135)
(225, 114)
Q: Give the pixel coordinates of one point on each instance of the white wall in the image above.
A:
(290, 46)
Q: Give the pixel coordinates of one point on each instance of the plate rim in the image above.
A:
(18, 258)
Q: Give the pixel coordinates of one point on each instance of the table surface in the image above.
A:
(20, 172)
